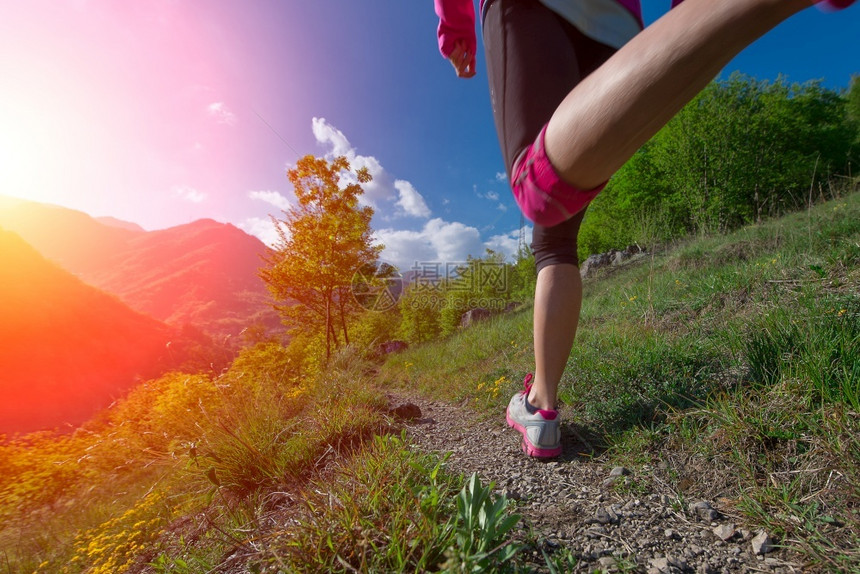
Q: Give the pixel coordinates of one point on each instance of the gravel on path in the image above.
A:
(606, 518)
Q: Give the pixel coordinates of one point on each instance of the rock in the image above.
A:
(695, 550)
(619, 471)
(659, 564)
(610, 258)
(595, 533)
(406, 412)
(605, 515)
(472, 316)
(391, 347)
(703, 511)
(761, 543)
(607, 562)
(670, 534)
(724, 531)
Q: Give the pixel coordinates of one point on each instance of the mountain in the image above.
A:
(68, 349)
(202, 274)
(114, 222)
(72, 239)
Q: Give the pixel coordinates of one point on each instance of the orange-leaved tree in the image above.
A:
(322, 242)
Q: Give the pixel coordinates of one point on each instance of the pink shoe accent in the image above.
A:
(531, 450)
(527, 383)
(527, 387)
(834, 5)
(540, 193)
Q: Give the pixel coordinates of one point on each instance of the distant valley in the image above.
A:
(202, 274)
(89, 308)
(67, 349)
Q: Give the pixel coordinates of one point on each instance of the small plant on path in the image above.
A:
(482, 525)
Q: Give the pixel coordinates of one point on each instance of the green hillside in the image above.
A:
(737, 354)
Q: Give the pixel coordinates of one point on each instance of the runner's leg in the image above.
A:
(534, 58)
(611, 114)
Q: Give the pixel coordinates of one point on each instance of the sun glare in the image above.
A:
(22, 149)
(40, 145)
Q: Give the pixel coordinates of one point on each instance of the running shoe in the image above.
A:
(541, 432)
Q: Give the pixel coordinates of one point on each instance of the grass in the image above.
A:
(109, 497)
(726, 364)
(735, 356)
(390, 509)
(216, 483)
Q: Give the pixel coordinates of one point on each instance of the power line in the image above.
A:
(274, 131)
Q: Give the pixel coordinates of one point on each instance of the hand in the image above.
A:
(462, 60)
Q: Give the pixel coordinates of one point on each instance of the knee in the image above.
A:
(556, 245)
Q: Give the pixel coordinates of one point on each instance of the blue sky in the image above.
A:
(168, 111)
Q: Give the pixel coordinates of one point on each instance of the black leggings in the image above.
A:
(534, 58)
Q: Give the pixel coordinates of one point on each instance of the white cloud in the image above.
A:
(444, 242)
(188, 193)
(492, 196)
(403, 248)
(438, 241)
(507, 243)
(272, 198)
(221, 113)
(261, 227)
(326, 133)
(501, 176)
(454, 240)
(383, 188)
(410, 200)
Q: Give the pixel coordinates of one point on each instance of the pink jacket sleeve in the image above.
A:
(456, 22)
(635, 8)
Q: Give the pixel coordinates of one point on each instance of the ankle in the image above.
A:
(537, 402)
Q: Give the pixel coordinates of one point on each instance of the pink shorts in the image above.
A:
(540, 193)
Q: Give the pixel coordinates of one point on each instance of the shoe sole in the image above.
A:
(528, 447)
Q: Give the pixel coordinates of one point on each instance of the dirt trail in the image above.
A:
(609, 523)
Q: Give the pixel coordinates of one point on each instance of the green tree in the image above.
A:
(852, 106)
(420, 306)
(322, 242)
(523, 275)
(481, 283)
(372, 328)
(743, 149)
(853, 98)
